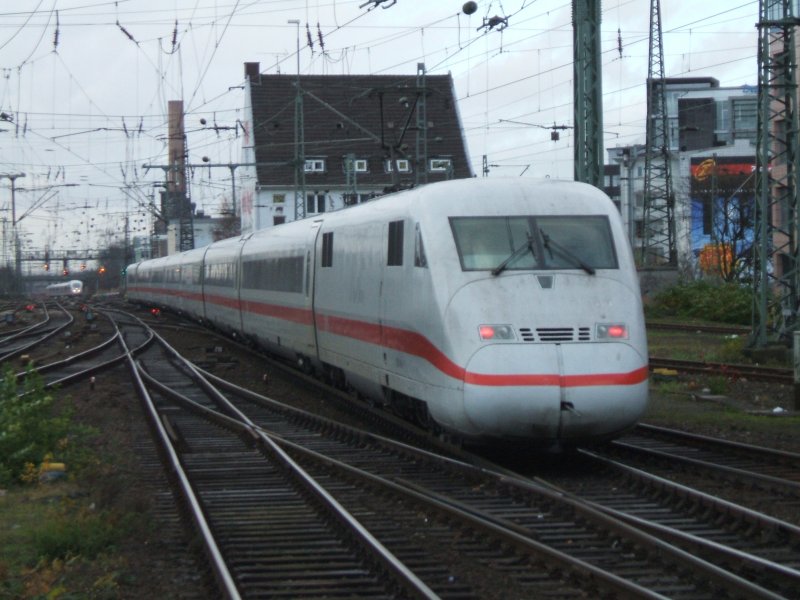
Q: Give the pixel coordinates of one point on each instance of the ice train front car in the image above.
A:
(538, 331)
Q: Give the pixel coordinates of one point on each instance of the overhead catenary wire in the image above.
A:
(441, 53)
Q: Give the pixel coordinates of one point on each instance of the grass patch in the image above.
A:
(53, 545)
(57, 541)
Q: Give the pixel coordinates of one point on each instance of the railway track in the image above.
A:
(16, 342)
(434, 525)
(750, 372)
(720, 329)
(759, 478)
(94, 355)
(487, 519)
(760, 547)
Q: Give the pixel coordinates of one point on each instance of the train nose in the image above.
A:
(561, 392)
(511, 391)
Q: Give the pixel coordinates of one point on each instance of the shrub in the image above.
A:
(722, 303)
(29, 431)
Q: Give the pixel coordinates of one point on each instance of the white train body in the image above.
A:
(69, 289)
(396, 298)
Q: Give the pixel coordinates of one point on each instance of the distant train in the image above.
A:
(491, 309)
(72, 289)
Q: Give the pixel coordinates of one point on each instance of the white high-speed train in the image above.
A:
(71, 289)
(492, 309)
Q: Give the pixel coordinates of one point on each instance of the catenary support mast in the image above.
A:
(658, 240)
(588, 92)
(776, 247)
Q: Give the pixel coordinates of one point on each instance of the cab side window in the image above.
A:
(327, 249)
(395, 254)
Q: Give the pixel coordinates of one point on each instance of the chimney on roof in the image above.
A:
(252, 72)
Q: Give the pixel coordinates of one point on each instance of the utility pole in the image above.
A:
(299, 141)
(658, 241)
(230, 166)
(588, 92)
(12, 177)
(421, 172)
(776, 255)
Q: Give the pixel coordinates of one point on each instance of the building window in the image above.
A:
(403, 165)
(356, 165)
(315, 203)
(315, 165)
(351, 198)
(723, 115)
(278, 198)
(395, 255)
(440, 165)
(327, 249)
(744, 115)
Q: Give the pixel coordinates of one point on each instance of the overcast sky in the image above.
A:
(85, 85)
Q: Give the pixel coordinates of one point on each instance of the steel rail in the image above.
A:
(17, 351)
(722, 576)
(721, 329)
(752, 372)
(407, 579)
(92, 368)
(23, 331)
(520, 536)
(775, 483)
(750, 449)
(698, 545)
(173, 463)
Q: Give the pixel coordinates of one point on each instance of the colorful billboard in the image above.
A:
(722, 193)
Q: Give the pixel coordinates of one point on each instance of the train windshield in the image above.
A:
(524, 243)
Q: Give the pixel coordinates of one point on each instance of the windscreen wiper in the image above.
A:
(547, 242)
(528, 245)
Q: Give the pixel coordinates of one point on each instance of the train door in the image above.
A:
(394, 292)
(313, 255)
(237, 278)
(202, 286)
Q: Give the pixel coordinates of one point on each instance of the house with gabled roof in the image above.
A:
(317, 143)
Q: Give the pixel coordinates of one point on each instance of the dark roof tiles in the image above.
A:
(366, 115)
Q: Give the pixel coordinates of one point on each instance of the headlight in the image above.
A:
(496, 332)
(612, 331)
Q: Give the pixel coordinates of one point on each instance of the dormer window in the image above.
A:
(403, 165)
(440, 165)
(315, 165)
(358, 165)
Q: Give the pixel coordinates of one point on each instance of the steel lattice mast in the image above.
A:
(588, 91)
(658, 239)
(776, 257)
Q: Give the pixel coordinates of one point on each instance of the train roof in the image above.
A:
(477, 196)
